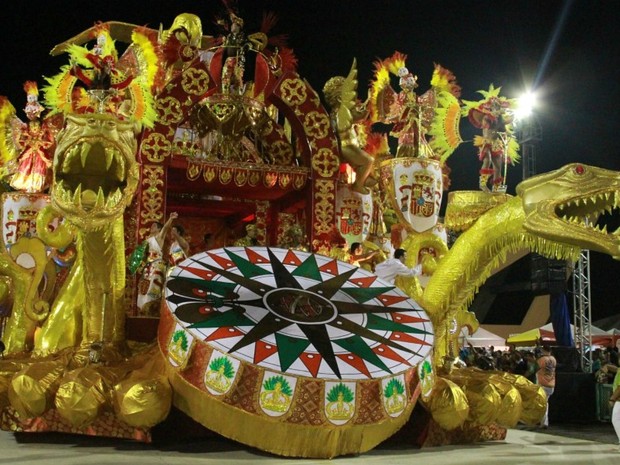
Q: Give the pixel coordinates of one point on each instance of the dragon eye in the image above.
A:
(579, 169)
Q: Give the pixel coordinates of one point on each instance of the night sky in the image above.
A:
(568, 51)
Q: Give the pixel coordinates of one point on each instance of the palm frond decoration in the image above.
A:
(223, 365)
(182, 337)
(271, 383)
(340, 390)
(393, 387)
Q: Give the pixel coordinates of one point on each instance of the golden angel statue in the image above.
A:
(26, 149)
(346, 110)
(497, 147)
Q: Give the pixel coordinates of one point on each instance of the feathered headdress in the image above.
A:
(493, 105)
(132, 97)
(381, 92)
(31, 88)
(444, 80)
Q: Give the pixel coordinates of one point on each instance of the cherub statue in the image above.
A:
(346, 110)
(27, 148)
(496, 145)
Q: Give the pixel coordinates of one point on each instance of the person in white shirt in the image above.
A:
(389, 269)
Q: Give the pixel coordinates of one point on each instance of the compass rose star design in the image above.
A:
(313, 313)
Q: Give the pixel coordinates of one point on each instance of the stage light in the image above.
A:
(525, 105)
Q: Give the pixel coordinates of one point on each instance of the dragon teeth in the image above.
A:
(114, 198)
(66, 163)
(100, 201)
(77, 196)
(109, 156)
(84, 153)
(121, 167)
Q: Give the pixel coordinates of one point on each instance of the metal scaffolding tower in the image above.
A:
(529, 134)
(582, 312)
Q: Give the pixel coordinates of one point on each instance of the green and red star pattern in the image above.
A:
(298, 313)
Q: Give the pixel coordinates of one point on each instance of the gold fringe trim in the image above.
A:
(275, 436)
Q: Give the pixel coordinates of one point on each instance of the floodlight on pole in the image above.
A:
(525, 105)
(529, 131)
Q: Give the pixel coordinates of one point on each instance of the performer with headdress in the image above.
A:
(425, 125)
(97, 68)
(496, 146)
(153, 275)
(34, 141)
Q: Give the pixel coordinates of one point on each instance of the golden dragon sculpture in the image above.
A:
(71, 356)
(80, 343)
(553, 214)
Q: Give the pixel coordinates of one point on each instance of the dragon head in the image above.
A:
(95, 169)
(564, 206)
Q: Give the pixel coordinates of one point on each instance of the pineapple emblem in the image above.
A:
(178, 348)
(220, 374)
(276, 395)
(427, 378)
(340, 404)
(394, 397)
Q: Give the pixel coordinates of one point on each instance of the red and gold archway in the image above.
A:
(299, 169)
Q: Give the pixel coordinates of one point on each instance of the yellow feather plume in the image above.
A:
(149, 57)
(445, 127)
(396, 62)
(142, 107)
(58, 92)
(8, 151)
(77, 55)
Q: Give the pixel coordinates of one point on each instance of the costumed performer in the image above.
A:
(496, 146)
(153, 276)
(390, 269)
(545, 377)
(179, 248)
(37, 143)
(614, 403)
(357, 255)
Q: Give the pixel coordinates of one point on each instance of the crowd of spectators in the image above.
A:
(522, 361)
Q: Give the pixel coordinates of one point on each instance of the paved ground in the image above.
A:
(601, 432)
(560, 444)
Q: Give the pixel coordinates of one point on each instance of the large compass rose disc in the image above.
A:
(269, 330)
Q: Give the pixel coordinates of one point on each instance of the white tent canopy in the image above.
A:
(596, 331)
(481, 338)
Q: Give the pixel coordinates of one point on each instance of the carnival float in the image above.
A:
(266, 334)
